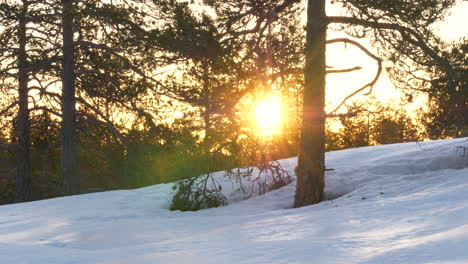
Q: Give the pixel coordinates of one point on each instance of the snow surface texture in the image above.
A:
(402, 203)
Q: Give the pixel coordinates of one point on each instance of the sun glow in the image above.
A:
(268, 115)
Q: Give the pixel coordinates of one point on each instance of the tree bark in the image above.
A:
(465, 118)
(23, 163)
(207, 108)
(311, 164)
(68, 159)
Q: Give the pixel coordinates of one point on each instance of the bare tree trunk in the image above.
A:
(23, 163)
(311, 164)
(68, 161)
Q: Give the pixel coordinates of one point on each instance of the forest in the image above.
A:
(104, 95)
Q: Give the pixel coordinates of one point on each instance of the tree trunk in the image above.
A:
(23, 163)
(207, 109)
(465, 118)
(311, 164)
(68, 159)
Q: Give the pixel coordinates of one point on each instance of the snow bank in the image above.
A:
(402, 203)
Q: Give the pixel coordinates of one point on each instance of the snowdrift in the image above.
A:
(401, 203)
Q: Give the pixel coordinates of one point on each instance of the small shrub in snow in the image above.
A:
(197, 193)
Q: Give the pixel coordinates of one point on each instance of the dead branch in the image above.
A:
(357, 68)
(350, 114)
(369, 85)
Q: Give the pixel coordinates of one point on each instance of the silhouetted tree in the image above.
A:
(448, 95)
(25, 54)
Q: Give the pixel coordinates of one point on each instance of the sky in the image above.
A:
(456, 23)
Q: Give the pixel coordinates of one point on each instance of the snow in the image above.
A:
(401, 203)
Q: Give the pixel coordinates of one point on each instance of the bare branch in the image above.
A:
(110, 126)
(107, 123)
(369, 85)
(350, 114)
(357, 68)
(408, 34)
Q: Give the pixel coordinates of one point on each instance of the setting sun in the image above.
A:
(268, 115)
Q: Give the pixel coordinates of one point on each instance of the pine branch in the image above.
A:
(8, 108)
(128, 63)
(45, 109)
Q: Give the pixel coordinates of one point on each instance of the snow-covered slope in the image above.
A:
(402, 203)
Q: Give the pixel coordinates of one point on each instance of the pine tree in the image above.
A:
(25, 54)
(110, 64)
(448, 95)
